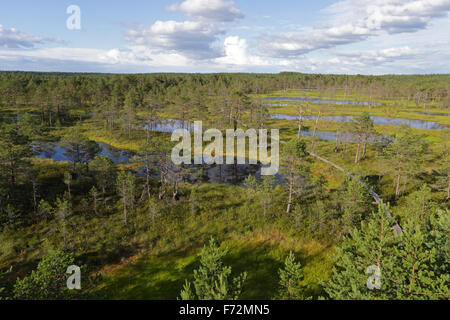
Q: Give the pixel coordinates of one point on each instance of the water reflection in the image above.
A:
(233, 174)
(323, 101)
(415, 124)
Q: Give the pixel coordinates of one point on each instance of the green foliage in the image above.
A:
(405, 155)
(297, 172)
(15, 147)
(44, 210)
(407, 263)
(104, 173)
(212, 280)
(3, 283)
(413, 272)
(78, 147)
(440, 229)
(355, 202)
(262, 191)
(418, 205)
(35, 211)
(126, 185)
(372, 245)
(63, 211)
(291, 277)
(48, 281)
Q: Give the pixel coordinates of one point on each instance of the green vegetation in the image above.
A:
(211, 280)
(138, 225)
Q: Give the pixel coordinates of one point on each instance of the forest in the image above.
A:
(359, 209)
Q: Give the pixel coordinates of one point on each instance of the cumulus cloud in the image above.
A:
(372, 18)
(212, 10)
(193, 39)
(396, 16)
(236, 54)
(196, 38)
(13, 38)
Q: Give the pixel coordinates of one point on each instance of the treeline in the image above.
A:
(81, 90)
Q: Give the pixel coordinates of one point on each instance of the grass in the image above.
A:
(162, 276)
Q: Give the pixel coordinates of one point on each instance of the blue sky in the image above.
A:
(346, 36)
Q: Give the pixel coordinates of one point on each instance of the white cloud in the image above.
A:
(396, 16)
(236, 54)
(135, 55)
(291, 45)
(368, 18)
(212, 10)
(377, 57)
(13, 38)
(194, 39)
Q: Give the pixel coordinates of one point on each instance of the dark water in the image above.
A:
(53, 150)
(416, 124)
(233, 174)
(323, 101)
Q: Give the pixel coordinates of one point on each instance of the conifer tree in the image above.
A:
(212, 280)
(365, 253)
(104, 173)
(296, 158)
(126, 188)
(290, 279)
(405, 155)
(3, 283)
(48, 281)
(414, 277)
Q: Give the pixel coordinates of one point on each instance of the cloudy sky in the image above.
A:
(320, 36)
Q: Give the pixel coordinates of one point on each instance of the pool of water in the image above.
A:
(427, 113)
(415, 124)
(323, 101)
(53, 150)
(234, 174)
(169, 125)
(346, 137)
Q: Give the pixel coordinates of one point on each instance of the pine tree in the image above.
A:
(290, 280)
(296, 170)
(413, 274)
(4, 283)
(48, 281)
(405, 155)
(63, 212)
(104, 173)
(212, 280)
(363, 252)
(355, 204)
(126, 188)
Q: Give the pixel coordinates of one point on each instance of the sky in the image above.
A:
(262, 36)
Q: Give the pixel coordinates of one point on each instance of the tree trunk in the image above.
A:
(357, 151)
(336, 147)
(365, 150)
(315, 131)
(125, 214)
(291, 188)
(397, 190)
(34, 196)
(300, 122)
